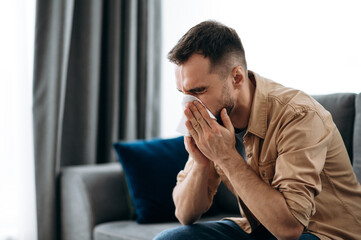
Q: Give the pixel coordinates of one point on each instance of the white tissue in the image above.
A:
(181, 128)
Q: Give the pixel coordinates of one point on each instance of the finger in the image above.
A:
(193, 121)
(204, 113)
(226, 120)
(212, 123)
(191, 130)
(188, 142)
(198, 116)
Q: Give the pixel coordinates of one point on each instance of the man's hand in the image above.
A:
(214, 141)
(194, 152)
(217, 143)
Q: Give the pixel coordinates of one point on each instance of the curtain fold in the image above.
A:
(96, 80)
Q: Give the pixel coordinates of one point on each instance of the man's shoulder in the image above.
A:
(288, 101)
(293, 99)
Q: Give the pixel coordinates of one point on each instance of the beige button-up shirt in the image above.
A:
(294, 146)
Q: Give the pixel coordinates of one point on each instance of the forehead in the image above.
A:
(194, 73)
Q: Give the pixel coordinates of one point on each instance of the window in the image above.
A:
(17, 184)
(309, 45)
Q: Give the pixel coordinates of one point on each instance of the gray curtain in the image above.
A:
(96, 80)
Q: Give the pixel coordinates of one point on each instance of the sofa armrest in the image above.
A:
(357, 138)
(90, 195)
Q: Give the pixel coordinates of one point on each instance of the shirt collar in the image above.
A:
(257, 123)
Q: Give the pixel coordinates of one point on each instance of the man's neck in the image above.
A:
(246, 100)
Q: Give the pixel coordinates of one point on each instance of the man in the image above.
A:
(295, 180)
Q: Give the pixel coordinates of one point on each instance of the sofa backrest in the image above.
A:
(342, 108)
(345, 109)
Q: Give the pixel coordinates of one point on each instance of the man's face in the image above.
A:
(195, 78)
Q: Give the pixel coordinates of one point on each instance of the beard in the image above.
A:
(228, 104)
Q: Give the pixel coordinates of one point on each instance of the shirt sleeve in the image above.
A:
(302, 147)
(213, 180)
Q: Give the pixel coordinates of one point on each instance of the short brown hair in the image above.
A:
(211, 39)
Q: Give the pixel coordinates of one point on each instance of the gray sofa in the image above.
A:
(95, 202)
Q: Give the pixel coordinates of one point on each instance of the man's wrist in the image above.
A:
(233, 164)
(201, 167)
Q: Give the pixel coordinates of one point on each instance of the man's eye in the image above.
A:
(199, 92)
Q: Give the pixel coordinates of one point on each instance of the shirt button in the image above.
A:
(216, 167)
(249, 155)
(264, 174)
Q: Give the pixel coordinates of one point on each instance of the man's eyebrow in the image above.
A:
(194, 90)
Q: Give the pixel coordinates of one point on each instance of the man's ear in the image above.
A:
(238, 75)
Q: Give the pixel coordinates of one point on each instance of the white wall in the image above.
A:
(309, 45)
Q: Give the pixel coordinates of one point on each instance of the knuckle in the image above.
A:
(199, 119)
(193, 133)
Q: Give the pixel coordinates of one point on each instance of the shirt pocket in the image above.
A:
(267, 171)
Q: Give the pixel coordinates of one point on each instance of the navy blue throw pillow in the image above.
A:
(151, 168)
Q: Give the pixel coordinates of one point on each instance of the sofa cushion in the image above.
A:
(151, 168)
(126, 230)
(342, 108)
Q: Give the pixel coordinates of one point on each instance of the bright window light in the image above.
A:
(17, 183)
